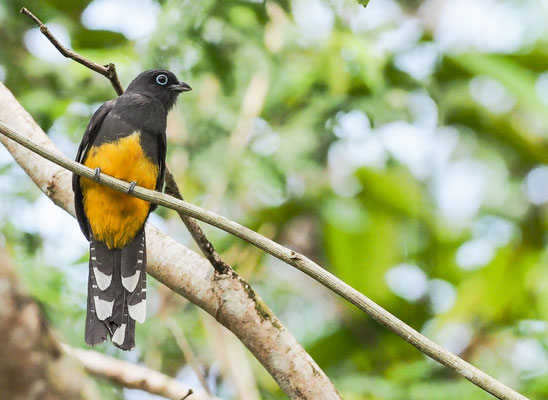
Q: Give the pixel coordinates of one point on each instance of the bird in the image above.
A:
(125, 138)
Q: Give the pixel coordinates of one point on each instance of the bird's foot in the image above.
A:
(132, 185)
(97, 174)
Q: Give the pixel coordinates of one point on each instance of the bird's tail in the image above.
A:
(116, 292)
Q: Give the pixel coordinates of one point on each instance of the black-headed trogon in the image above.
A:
(125, 138)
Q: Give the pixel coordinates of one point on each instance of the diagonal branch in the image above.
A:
(109, 71)
(291, 257)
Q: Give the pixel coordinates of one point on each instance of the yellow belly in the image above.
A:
(115, 217)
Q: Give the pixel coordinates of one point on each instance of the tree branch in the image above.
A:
(227, 297)
(291, 257)
(33, 365)
(109, 71)
(134, 376)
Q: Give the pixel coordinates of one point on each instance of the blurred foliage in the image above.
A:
(410, 168)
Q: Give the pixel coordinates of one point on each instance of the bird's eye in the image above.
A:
(161, 79)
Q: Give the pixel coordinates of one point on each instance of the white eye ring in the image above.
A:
(161, 79)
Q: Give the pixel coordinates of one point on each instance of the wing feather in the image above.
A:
(87, 140)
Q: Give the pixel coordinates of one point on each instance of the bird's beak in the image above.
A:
(181, 87)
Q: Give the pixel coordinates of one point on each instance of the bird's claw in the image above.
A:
(132, 185)
(97, 174)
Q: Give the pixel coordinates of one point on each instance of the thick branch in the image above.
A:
(293, 258)
(225, 296)
(33, 365)
(134, 376)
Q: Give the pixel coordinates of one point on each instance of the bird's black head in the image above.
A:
(160, 84)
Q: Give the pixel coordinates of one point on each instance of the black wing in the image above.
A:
(89, 136)
(162, 149)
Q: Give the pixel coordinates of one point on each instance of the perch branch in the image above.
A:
(134, 376)
(109, 71)
(299, 261)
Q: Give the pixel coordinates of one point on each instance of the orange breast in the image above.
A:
(115, 217)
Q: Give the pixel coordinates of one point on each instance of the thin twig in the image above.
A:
(299, 261)
(188, 394)
(109, 71)
(185, 347)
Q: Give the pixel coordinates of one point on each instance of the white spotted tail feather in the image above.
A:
(116, 292)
